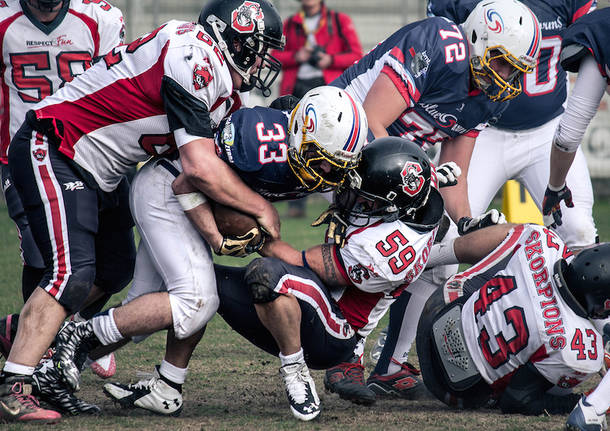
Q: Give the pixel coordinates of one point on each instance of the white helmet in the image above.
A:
(502, 29)
(327, 125)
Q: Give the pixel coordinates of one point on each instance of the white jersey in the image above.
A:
(378, 262)
(115, 114)
(38, 58)
(518, 315)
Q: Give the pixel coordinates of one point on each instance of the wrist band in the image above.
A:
(556, 189)
(305, 264)
(188, 201)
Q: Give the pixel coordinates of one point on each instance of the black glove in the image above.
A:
(285, 103)
(336, 225)
(551, 210)
(241, 245)
(468, 224)
(447, 174)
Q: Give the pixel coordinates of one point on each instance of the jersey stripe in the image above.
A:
(309, 291)
(105, 103)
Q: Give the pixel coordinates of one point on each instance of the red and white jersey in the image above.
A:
(114, 115)
(517, 315)
(378, 262)
(38, 58)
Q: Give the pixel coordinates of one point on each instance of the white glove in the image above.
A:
(490, 218)
(447, 174)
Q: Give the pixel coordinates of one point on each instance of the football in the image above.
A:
(231, 221)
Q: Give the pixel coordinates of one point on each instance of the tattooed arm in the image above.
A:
(319, 258)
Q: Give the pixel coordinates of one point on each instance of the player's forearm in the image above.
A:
(203, 220)
(283, 251)
(458, 150)
(474, 246)
(560, 165)
(210, 174)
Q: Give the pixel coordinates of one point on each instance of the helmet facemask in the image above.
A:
(487, 79)
(244, 53)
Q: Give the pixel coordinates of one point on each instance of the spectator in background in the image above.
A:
(320, 44)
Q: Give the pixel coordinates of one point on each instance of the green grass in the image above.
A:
(232, 385)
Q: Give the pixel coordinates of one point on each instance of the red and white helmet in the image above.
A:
(505, 29)
(327, 125)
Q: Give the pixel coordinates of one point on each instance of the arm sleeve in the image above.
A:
(185, 111)
(112, 31)
(582, 106)
(527, 394)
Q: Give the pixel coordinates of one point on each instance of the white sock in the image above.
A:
(293, 358)
(172, 372)
(600, 397)
(105, 328)
(11, 367)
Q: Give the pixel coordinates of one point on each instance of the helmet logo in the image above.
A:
(201, 77)
(243, 19)
(412, 179)
(311, 118)
(494, 21)
(607, 305)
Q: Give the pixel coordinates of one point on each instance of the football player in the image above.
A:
(392, 209)
(46, 43)
(434, 81)
(281, 155)
(516, 146)
(515, 329)
(166, 91)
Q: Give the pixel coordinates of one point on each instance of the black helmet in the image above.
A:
(44, 5)
(585, 282)
(392, 181)
(244, 31)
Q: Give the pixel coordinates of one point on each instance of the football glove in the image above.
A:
(551, 210)
(447, 174)
(285, 103)
(336, 225)
(468, 224)
(241, 245)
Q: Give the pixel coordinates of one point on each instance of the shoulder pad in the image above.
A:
(571, 56)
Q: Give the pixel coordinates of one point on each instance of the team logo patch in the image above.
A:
(412, 178)
(311, 119)
(494, 21)
(245, 17)
(607, 304)
(358, 273)
(201, 77)
(39, 154)
(420, 63)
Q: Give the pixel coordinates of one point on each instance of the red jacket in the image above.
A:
(336, 33)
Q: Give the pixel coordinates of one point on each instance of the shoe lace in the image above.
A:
(25, 399)
(296, 384)
(354, 371)
(145, 384)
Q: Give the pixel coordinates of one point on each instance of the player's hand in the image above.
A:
(468, 224)
(336, 225)
(269, 221)
(551, 210)
(285, 103)
(447, 174)
(241, 245)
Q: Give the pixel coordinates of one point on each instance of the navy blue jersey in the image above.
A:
(544, 90)
(428, 63)
(254, 142)
(593, 33)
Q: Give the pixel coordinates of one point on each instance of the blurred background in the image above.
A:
(374, 21)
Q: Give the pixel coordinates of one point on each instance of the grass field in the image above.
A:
(232, 385)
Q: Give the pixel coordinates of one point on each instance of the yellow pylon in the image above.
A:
(518, 206)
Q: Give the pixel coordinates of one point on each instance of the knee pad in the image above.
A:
(262, 276)
(190, 312)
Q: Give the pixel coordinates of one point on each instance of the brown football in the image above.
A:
(231, 221)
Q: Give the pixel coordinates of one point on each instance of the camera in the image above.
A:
(315, 55)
